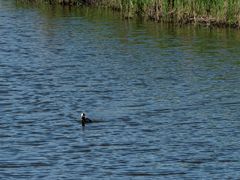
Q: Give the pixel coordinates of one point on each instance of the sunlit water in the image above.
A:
(165, 100)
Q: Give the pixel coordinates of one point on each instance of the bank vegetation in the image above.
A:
(224, 13)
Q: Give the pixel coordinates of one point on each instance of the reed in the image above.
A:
(221, 12)
(209, 12)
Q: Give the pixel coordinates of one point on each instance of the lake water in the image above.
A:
(165, 100)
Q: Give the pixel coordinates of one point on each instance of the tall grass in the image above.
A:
(218, 12)
(210, 12)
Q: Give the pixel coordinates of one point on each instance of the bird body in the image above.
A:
(84, 119)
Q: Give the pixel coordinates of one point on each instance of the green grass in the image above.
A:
(210, 12)
(216, 12)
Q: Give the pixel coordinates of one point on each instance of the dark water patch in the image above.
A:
(6, 165)
(228, 161)
(146, 174)
(197, 161)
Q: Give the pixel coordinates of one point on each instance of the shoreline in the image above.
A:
(224, 14)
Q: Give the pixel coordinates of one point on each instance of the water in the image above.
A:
(164, 99)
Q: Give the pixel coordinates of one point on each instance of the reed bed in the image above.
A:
(208, 12)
